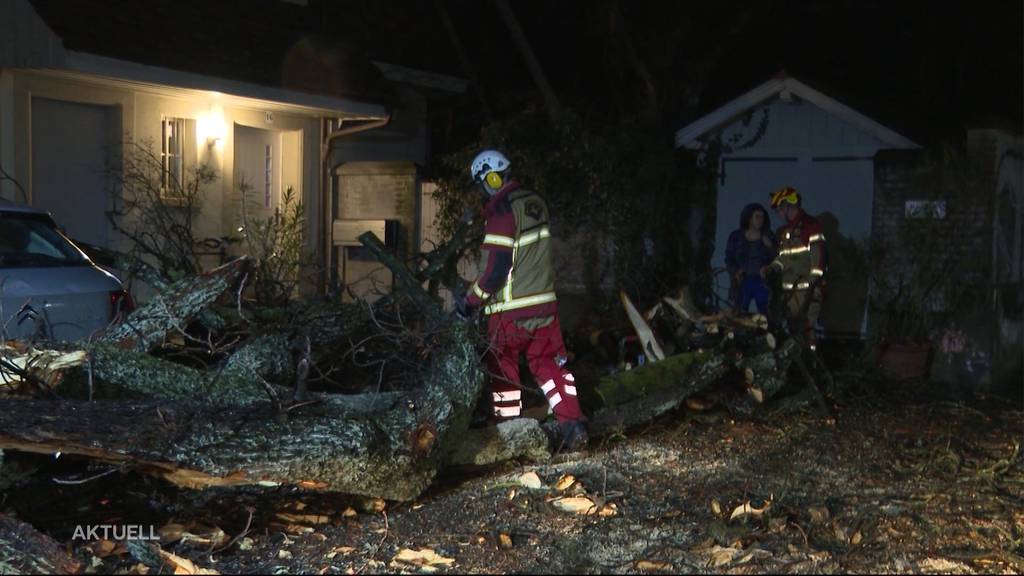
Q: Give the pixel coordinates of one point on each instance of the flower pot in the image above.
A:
(905, 361)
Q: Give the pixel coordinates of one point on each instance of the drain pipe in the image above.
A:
(327, 196)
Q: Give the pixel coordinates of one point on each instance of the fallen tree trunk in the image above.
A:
(23, 550)
(392, 450)
(171, 309)
(645, 393)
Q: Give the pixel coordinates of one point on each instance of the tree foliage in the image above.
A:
(618, 185)
(157, 210)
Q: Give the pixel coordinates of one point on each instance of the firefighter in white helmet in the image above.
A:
(516, 291)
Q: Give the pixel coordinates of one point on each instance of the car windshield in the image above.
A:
(31, 240)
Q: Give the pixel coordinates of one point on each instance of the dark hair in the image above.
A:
(748, 212)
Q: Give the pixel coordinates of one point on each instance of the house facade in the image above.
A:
(785, 133)
(73, 103)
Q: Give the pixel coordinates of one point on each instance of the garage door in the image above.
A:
(71, 144)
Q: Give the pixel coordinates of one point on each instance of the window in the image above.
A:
(172, 155)
(268, 177)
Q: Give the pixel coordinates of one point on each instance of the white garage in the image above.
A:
(71, 154)
(785, 133)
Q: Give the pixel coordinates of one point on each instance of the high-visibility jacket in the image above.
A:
(518, 279)
(801, 255)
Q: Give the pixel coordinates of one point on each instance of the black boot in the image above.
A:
(571, 436)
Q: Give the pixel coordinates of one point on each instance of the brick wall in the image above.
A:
(966, 230)
(967, 186)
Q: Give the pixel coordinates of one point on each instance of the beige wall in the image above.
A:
(141, 108)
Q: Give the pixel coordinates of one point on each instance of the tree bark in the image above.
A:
(388, 446)
(521, 438)
(407, 282)
(23, 550)
(146, 327)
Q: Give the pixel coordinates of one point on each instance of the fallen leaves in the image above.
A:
(425, 559)
(746, 509)
(531, 481)
(183, 565)
(584, 506)
(648, 566)
(565, 482)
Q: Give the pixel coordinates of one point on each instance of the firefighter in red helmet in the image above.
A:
(800, 263)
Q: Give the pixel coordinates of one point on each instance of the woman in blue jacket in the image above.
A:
(748, 253)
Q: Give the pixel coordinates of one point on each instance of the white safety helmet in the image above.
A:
(487, 162)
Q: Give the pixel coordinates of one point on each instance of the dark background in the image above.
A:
(923, 69)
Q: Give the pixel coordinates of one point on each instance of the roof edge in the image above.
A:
(93, 64)
(689, 135)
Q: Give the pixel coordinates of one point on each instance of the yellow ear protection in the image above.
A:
(493, 180)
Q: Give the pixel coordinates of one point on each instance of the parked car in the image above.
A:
(49, 288)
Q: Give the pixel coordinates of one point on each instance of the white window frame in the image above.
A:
(268, 176)
(172, 155)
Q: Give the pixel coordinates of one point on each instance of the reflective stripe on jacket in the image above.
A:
(801, 256)
(519, 275)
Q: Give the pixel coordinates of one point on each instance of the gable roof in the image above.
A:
(266, 43)
(784, 86)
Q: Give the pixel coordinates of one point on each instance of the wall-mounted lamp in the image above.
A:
(210, 127)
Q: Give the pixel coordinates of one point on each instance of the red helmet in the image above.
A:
(788, 195)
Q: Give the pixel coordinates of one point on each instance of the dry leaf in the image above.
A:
(565, 482)
(697, 404)
(531, 480)
(747, 510)
(312, 485)
(839, 531)
(721, 556)
(374, 505)
(608, 510)
(284, 554)
(183, 565)
(103, 548)
(140, 569)
(207, 536)
(504, 541)
(344, 550)
(425, 558)
(578, 505)
(647, 565)
(716, 507)
(819, 514)
(306, 519)
(350, 512)
(856, 538)
(757, 394)
(170, 532)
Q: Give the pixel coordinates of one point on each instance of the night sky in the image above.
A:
(924, 69)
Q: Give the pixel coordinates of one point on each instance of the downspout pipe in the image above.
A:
(327, 141)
